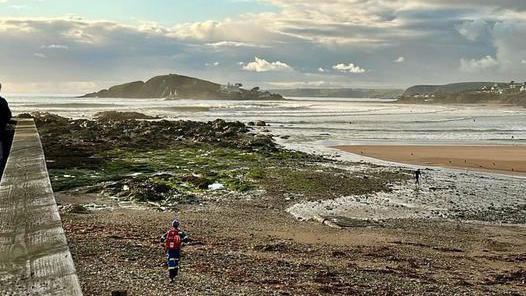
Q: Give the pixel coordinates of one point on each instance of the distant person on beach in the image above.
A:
(418, 174)
(5, 119)
(173, 241)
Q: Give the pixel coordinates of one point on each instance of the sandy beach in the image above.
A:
(507, 159)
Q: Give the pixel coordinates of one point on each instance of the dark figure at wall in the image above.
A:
(5, 133)
(418, 174)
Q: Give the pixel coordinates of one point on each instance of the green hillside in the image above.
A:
(448, 89)
(467, 93)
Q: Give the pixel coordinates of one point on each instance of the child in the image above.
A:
(173, 240)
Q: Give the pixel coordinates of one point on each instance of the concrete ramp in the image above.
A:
(34, 254)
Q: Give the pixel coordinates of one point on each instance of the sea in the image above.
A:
(321, 121)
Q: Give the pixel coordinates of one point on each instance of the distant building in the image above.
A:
(231, 88)
(510, 88)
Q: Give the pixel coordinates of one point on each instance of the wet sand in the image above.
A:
(506, 159)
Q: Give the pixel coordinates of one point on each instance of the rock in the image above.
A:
(272, 247)
(261, 123)
(216, 186)
(198, 181)
(25, 115)
(88, 137)
(119, 116)
(75, 209)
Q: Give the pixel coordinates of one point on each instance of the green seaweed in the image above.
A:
(189, 169)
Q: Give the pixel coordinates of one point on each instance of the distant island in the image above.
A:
(175, 86)
(511, 93)
(340, 93)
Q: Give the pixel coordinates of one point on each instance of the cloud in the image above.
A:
(321, 70)
(262, 65)
(305, 84)
(214, 64)
(475, 65)
(40, 55)
(55, 46)
(100, 52)
(435, 34)
(473, 29)
(233, 44)
(509, 40)
(349, 68)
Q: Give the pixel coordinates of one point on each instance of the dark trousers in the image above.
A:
(6, 139)
(173, 257)
(3, 157)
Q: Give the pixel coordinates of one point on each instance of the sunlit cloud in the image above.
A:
(55, 46)
(262, 65)
(349, 68)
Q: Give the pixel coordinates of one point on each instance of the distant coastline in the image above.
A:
(340, 93)
(467, 93)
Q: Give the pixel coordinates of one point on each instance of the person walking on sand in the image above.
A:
(5, 118)
(418, 173)
(173, 241)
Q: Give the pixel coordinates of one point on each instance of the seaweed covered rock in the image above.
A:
(83, 137)
(47, 119)
(120, 116)
(147, 190)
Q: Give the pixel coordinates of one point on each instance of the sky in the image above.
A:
(78, 46)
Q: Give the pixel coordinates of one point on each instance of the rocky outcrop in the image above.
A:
(88, 137)
(175, 86)
(120, 116)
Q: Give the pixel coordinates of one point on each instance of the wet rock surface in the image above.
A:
(120, 116)
(86, 137)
